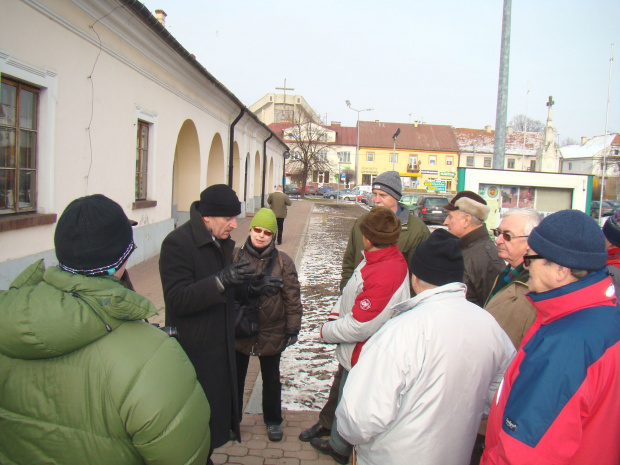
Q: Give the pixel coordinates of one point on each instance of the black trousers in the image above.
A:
(272, 388)
(280, 222)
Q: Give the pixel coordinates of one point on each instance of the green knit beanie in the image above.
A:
(265, 218)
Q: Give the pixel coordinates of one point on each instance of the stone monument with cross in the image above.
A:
(548, 158)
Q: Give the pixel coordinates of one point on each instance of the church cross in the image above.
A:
(550, 103)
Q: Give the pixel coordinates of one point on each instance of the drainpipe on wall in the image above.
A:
(230, 148)
(262, 191)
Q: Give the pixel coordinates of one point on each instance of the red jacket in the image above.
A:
(559, 402)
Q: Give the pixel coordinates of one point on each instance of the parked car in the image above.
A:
(344, 194)
(310, 189)
(410, 200)
(323, 190)
(608, 209)
(292, 189)
(431, 208)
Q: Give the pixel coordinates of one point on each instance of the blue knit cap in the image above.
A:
(570, 238)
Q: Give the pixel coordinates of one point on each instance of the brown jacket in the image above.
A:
(482, 264)
(514, 313)
(278, 202)
(278, 314)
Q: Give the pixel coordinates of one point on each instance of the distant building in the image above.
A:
(337, 146)
(587, 158)
(281, 108)
(476, 148)
(426, 154)
(99, 97)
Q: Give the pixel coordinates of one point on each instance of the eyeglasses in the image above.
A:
(527, 259)
(266, 232)
(507, 237)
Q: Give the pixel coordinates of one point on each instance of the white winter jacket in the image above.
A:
(424, 380)
(380, 281)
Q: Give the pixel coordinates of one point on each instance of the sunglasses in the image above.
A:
(527, 259)
(507, 237)
(266, 232)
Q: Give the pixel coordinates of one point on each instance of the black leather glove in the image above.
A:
(235, 274)
(265, 285)
(292, 336)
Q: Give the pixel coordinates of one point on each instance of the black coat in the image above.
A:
(204, 316)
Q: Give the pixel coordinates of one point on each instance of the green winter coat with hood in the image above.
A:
(84, 380)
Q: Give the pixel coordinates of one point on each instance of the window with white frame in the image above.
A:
(487, 162)
(413, 161)
(393, 157)
(322, 155)
(511, 163)
(470, 160)
(344, 157)
(19, 109)
(370, 156)
(432, 160)
(142, 159)
(449, 160)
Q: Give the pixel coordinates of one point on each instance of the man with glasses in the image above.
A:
(199, 280)
(507, 302)
(467, 212)
(559, 401)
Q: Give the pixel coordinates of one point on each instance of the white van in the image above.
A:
(359, 190)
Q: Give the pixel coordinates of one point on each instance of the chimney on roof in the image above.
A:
(510, 129)
(335, 123)
(161, 17)
(488, 128)
(584, 139)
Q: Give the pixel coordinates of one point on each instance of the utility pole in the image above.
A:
(499, 147)
(611, 62)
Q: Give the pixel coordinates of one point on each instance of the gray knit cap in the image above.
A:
(389, 182)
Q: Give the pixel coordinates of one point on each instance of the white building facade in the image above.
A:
(98, 97)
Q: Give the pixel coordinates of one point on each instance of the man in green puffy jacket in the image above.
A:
(83, 378)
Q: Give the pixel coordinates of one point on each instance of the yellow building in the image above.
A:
(426, 154)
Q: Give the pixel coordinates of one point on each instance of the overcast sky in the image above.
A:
(435, 61)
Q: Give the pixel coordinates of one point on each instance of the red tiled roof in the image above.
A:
(484, 141)
(344, 135)
(431, 137)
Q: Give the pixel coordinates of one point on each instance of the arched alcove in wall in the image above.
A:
(269, 182)
(216, 167)
(258, 175)
(186, 172)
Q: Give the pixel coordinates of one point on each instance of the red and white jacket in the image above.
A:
(559, 402)
(380, 281)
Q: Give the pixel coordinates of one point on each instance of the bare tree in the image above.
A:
(526, 124)
(568, 141)
(308, 144)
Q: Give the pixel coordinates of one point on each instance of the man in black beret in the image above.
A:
(198, 279)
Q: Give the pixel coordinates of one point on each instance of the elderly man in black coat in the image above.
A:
(199, 284)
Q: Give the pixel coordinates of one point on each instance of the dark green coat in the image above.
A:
(412, 233)
(84, 380)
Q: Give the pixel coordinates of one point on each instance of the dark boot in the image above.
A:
(315, 431)
(324, 447)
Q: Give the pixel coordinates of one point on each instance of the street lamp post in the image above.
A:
(394, 154)
(357, 147)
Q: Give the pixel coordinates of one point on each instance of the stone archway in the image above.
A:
(258, 183)
(216, 167)
(269, 182)
(186, 172)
